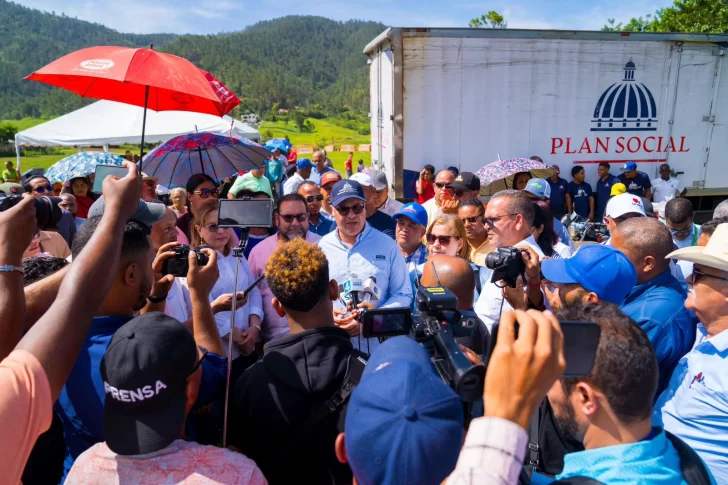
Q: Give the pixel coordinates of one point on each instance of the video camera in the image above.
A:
(507, 265)
(47, 211)
(178, 265)
(435, 325)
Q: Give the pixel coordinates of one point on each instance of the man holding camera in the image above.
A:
(509, 217)
(355, 250)
(273, 402)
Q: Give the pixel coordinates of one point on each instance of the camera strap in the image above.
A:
(354, 369)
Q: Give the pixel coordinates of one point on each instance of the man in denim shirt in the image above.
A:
(657, 302)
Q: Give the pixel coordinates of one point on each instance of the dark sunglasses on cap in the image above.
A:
(43, 190)
(444, 240)
(356, 209)
(311, 198)
(205, 193)
(289, 217)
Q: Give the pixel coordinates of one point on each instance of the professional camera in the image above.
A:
(507, 265)
(435, 326)
(178, 265)
(47, 212)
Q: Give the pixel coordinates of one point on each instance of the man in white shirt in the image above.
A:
(444, 198)
(666, 186)
(384, 202)
(303, 172)
(509, 217)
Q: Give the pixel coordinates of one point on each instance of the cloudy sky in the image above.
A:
(213, 16)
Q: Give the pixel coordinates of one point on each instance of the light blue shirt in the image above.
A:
(695, 404)
(316, 175)
(373, 254)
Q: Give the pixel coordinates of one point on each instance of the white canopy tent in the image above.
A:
(106, 123)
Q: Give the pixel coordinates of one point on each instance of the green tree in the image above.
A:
(694, 16)
(491, 20)
(7, 132)
(299, 118)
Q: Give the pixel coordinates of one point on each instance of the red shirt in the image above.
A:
(428, 192)
(348, 164)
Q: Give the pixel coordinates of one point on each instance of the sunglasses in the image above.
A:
(205, 193)
(440, 185)
(697, 274)
(356, 209)
(444, 240)
(211, 227)
(289, 217)
(311, 198)
(471, 220)
(490, 221)
(681, 232)
(43, 190)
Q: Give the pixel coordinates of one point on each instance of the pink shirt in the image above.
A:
(25, 411)
(273, 325)
(182, 462)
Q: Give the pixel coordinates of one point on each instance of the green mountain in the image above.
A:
(291, 61)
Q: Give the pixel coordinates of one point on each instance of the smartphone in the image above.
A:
(245, 213)
(580, 346)
(103, 171)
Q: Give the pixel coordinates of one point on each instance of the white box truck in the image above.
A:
(464, 97)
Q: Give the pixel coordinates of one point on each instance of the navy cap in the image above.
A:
(601, 269)
(466, 181)
(344, 190)
(414, 211)
(403, 424)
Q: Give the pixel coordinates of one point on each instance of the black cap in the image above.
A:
(144, 370)
(466, 181)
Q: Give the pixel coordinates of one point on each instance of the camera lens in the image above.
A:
(493, 260)
(47, 212)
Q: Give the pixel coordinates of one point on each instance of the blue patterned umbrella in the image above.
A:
(498, 176)
(219, 156)
(80, 164)
(280, 143)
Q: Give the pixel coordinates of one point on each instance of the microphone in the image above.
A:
(370, 291)
(352, 286)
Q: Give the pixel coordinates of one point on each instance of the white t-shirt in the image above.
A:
(391, 206)
(664, 190)
(488, 306)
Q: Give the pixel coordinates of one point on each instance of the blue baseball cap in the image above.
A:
(629, 166)
(601, 269)
(303, 163)
(414, 211)
(344, 190)
(538, 187)
(403, 424)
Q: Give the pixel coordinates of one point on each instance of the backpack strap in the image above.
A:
(692, 467)
(478, 283)
(354, 369)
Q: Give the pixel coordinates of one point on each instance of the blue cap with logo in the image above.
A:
(414, 211)
(303, 163)
(403, 424)
(344, 190)
(629, 166)
(601, 269)
(538, 187)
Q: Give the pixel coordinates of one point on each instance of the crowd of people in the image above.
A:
(115, 372)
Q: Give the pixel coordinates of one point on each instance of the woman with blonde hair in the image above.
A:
(249, 311)
(446, 235)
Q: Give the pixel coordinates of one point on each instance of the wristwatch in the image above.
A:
(157, 299)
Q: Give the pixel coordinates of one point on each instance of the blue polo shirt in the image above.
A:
(637, 185)
(316, 175)
(81, 403)
(604, 192)
(325, 225)
(558, 196)
(658, 306)
(579, 194)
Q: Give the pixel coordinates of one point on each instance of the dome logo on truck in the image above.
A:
(626, 106)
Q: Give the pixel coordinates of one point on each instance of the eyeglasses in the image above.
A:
(471, 220)
(444, 240)
(289, 217)
(697, 274)
(311, 198)
(199, 362)
(681, 232)
(211, 227)
(205, 193)
(490, 221)
(43, 190)
(356, 209)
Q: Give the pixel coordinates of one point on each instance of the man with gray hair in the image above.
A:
(382, 199)
(721, 210)
(656, 302)
(509, 218)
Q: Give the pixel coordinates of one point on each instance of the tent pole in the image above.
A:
(144, 126)
(17, 154)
